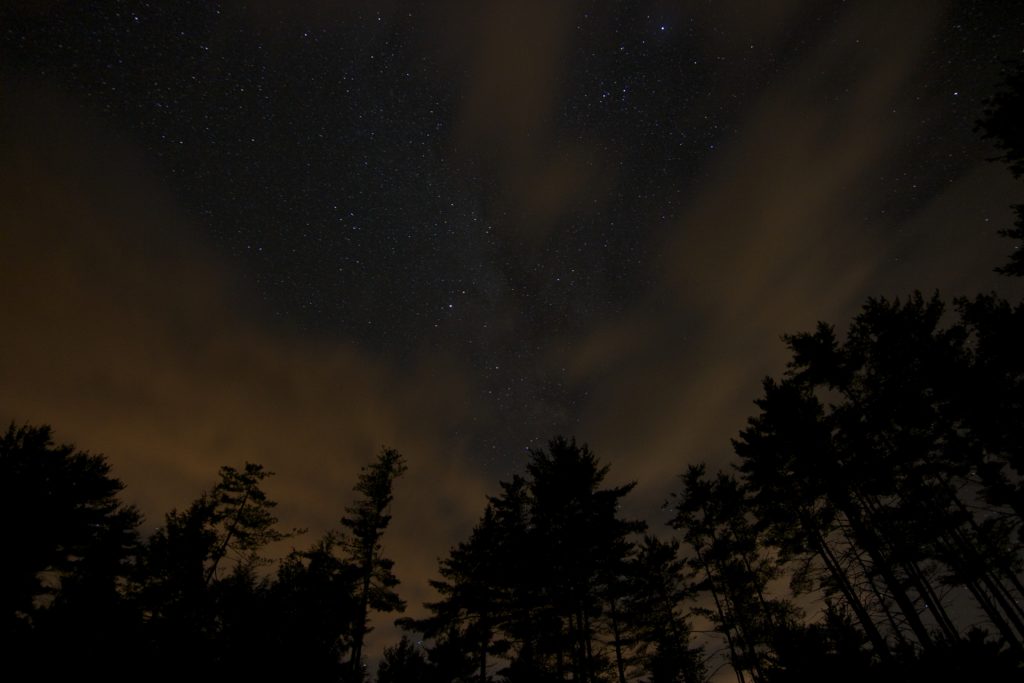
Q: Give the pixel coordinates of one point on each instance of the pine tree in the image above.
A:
(656, 614)
(72, 543)
(312, 603)
(364, 524)
(198, 579)
(729, 551)
(905, 483)
(1001, 122)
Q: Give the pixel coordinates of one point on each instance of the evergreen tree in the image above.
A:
(65, 521)
(242, 519)
(472, 591)
(72, 545)
(729, 552)
(888, 485)
(404, 663)
(541, 580)
(312, 604)
(656, 613)
(205, 613)
(1002, 122)
(790, 469)
(364, 524)
(583, 543)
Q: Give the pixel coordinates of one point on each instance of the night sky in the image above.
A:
(291, 232)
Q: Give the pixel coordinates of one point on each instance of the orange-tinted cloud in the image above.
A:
(510, 61)
(775, 240)
(124, 330)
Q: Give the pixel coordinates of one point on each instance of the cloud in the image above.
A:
(775, 240)
(125, 330)
(128, 331)
(509, 62)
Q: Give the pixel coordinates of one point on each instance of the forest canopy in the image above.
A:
(872, 527)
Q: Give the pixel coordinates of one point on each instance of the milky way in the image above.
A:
(293, 231)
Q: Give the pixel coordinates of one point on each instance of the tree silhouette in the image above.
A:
(656, 614)
(241, 519)
(202, 615)
(728, 550)
(582, 540)
(1003, 122)
(71, 543)
(903, 485)
(70, 524)
(790, 468)
(991, 397)
(365, 523)
(474, 596)
(544, 579)
(404, 663)
(313, 604)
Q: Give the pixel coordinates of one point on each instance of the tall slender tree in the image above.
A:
(364, 525)
(904, 484)
(656, 613)
(242, 518)
(728, 550)
(789, 467)
(583, 541)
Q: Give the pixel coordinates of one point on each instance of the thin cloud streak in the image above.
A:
(773, 242)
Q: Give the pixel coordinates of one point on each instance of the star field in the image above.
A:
(292, 231)
(334, 157)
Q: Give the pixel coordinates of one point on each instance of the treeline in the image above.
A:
(85, 595)
(882, 480)
(554, 585)
(871, 527)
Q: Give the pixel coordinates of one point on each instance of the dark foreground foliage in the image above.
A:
(83, 595)
(873, 523)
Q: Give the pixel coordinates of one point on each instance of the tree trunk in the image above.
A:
(359, 632)
(846, 588)
(485, 641)
(721, 615)
(871, 544)
(619, 664)
(222, 550)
